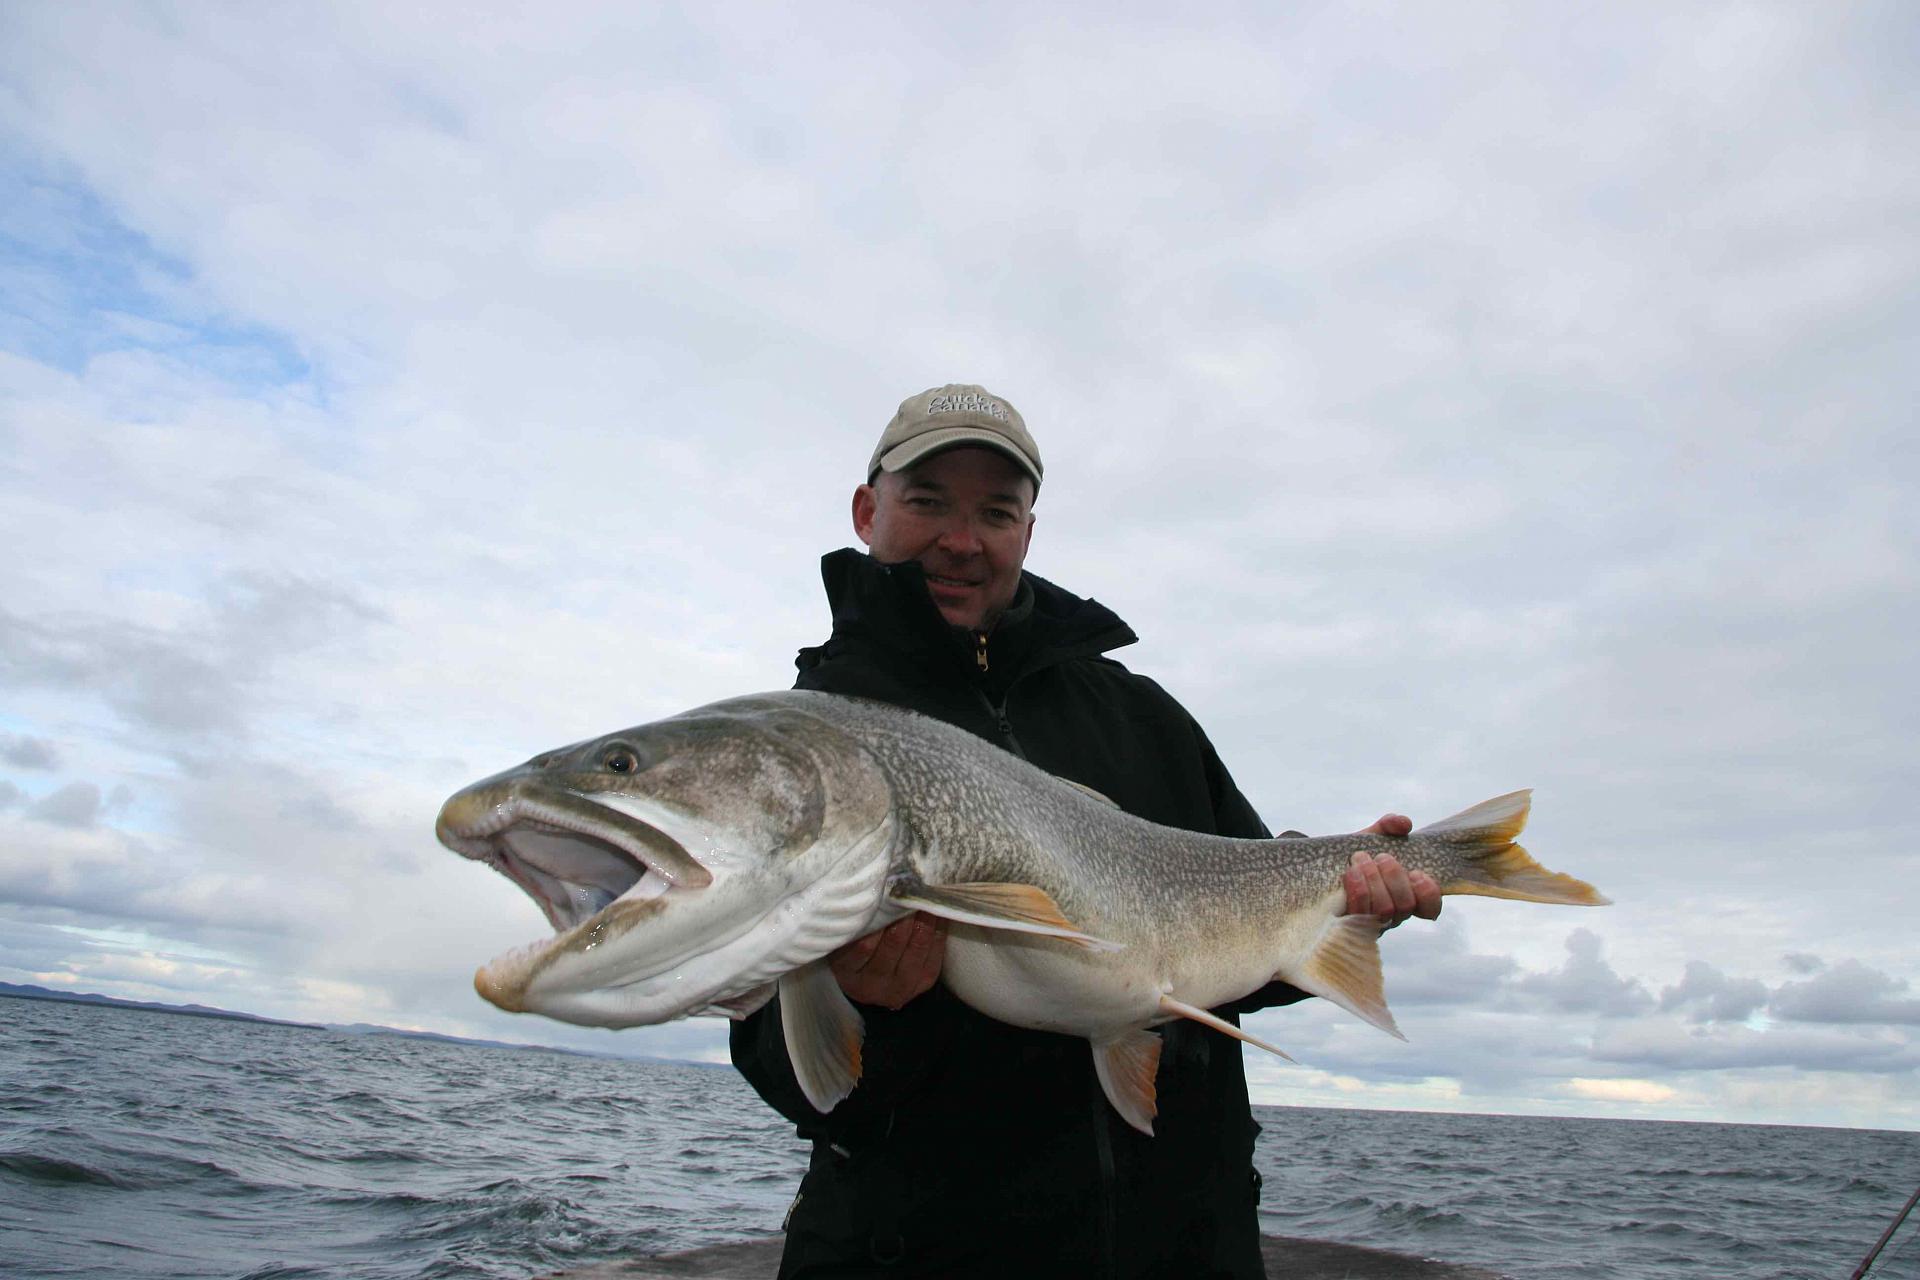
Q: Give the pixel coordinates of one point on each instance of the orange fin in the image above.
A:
(1496, 867)
(823, 1032)
(1127, 1067)
(1180, 1010)
(1024, 908)
(1344, 967)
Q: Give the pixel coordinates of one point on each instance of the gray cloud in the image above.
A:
(1708, 995)
(1664, 1044)
(1435, 966)
(10, 794)
(23, 751)
(1847, 993)
(1586, 982)
(186, 685)
(77, 804)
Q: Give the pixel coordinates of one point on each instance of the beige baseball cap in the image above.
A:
(958, 413)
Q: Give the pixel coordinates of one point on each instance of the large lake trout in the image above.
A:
(697, 864)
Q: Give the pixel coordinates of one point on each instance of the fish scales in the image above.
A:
(698, 863)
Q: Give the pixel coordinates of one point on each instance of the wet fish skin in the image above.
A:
(763, 832)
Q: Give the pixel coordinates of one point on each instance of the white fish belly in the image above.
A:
(1050, 985)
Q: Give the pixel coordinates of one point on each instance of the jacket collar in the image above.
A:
(887, 609)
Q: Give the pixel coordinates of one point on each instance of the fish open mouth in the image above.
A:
(571, 855)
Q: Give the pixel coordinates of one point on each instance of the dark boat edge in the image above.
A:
(1285, 1256)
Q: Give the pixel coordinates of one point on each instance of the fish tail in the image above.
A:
(1486, 861)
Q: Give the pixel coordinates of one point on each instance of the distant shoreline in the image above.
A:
(21, 991)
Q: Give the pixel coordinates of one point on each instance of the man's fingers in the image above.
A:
(1367, 893)
(893, 965)
(1382, 887)
(1390, 824)
(1426, 896)
(1399, 891)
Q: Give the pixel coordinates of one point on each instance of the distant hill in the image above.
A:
(21, 992)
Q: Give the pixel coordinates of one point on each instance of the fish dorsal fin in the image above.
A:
(1176, 1008)
(1023, 908)
(823, 1032)
(1101, 796)
(1127, 1067)
(1344, 966)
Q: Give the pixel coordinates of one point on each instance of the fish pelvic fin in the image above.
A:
(1495, 866)
(1128, 1066)
(823, 1032)
(1344, 967)
(1176, 1008)
(1023, 908)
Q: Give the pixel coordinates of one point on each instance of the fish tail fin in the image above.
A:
(1492, 865)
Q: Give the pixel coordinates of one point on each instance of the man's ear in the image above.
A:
(865, 503)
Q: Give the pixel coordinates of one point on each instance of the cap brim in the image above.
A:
(902, 456)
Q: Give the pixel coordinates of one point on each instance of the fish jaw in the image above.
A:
(668, 894)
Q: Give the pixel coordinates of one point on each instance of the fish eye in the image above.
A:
(620, 759)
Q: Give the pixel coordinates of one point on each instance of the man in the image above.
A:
(971, 1147)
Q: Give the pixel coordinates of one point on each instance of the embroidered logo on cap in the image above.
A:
(966, 402)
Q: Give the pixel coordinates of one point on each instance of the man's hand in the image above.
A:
(894, 965)
(1382, 887)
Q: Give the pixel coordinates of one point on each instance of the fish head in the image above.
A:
(683, 864)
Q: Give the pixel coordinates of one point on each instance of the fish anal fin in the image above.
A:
(1344, 967)
(1178, 1009)
(823, 1032)
(1127, 1067)
(1024, 908)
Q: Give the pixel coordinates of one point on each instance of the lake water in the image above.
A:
(150, 1145)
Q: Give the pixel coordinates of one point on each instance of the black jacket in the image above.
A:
(971, 1147)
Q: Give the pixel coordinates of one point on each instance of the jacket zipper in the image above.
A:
(1102, 1135)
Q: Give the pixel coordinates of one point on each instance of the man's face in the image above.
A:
(966, 516)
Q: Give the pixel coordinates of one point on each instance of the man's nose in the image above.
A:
(958, 537)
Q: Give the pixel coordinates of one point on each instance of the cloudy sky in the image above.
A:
(1454, 398)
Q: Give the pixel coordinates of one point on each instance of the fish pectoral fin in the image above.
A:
(1127, 1067)
(823, 1032)
(1024, 908)
(1178, 1009)
(1344, 967)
